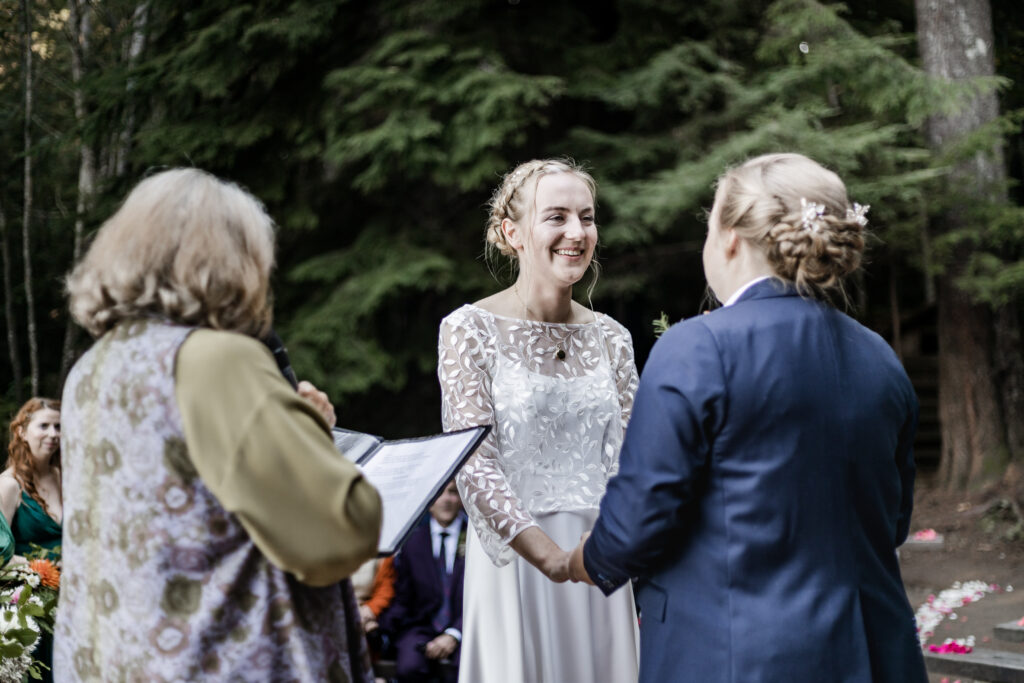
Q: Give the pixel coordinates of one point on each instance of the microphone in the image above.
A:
(284, 364)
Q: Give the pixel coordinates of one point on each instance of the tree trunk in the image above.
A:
(973, 450)
(33, 353)
(956, 43)
(135, 47)
(12, 332)
(1009, 353)
(80, 19)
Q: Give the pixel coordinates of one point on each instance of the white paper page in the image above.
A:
(353, 445)
(405, 474)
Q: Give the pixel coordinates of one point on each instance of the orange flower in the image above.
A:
(49, 575)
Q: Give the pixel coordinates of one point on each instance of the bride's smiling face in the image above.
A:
(559, 241)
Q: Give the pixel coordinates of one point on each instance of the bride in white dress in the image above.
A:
(557, 382)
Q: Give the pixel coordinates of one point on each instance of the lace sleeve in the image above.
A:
(496, 512)
(624, 362)
(620, 350)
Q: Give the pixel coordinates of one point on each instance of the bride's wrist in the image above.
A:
(542, 552)
(556, 562)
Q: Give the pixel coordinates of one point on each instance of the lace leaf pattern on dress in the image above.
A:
(558, 424)
(495, 511)
(627, 379)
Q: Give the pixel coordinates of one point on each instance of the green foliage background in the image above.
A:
(375, 132)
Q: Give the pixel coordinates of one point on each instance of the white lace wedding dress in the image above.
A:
(559, 396)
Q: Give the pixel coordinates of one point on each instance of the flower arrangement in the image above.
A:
(28, 607)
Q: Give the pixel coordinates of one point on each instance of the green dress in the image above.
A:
(6, 541)
(32, 525)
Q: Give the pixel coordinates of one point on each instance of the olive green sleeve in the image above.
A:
(267, 456)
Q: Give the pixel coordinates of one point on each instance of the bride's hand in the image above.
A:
(539, 550)
(556, 567)
(577, 570)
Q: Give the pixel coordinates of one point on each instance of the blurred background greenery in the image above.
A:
(375, 132)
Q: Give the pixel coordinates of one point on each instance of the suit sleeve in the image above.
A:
(396, 615)
(678, 410)
(905, 463)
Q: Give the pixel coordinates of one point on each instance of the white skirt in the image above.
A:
(520, 627)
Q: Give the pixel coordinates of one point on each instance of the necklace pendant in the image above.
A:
(559, 353)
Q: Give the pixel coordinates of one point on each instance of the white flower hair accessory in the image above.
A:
(858, 213)
(811, 212)
(518, 174)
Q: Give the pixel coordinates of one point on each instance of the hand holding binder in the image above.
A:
(408, 473)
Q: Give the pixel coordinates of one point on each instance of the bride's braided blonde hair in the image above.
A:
(514, 197)
(766, 201)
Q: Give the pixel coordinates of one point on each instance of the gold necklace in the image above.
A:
(559, 350)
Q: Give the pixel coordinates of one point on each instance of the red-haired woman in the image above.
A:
(30, 494)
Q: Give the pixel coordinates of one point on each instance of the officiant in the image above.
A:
(210, 523)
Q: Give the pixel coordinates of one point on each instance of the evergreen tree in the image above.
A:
(375, 132)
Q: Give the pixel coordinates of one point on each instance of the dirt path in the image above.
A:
(974, 547)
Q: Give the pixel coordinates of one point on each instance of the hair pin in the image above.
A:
(811, 212)
(858, 213)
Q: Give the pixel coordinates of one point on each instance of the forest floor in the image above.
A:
(975, 546)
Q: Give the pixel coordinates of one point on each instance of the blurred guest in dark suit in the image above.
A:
(426, 615)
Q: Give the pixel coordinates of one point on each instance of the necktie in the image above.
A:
(442, 551)
(443, 615)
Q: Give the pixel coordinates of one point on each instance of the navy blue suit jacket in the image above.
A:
(765, 481)
(418, 588)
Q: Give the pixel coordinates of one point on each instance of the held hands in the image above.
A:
(538, 549)
(577, 570)
(319, 400)
(558, 565)
(441, 647)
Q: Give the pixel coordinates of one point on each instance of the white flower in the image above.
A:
(12, 669)
(937, 608)
(9, 620)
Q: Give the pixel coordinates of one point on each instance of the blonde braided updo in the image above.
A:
(799, 213)
(514, 197)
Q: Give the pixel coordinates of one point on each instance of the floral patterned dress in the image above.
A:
(559, 396)
(161, 582)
